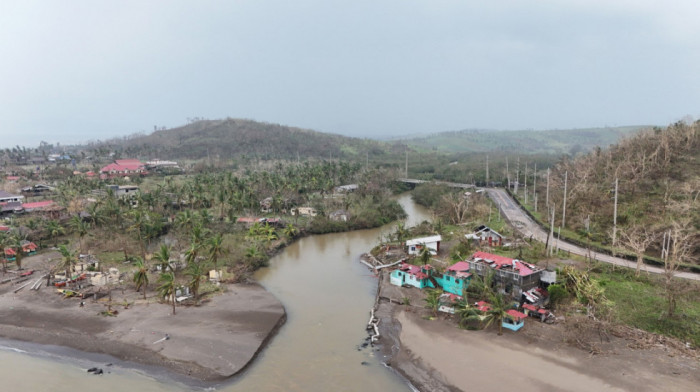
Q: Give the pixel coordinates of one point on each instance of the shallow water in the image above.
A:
(327, 294)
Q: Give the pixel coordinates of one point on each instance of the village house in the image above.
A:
(415, 245)
(513, 320)
(123, 167)
(123, 190)
(485, 235)
(9, 198)
(513, 276)
(339, 216)
(345, 188)
(456, 278)
(36, 190)
(266, 205)
(413, 275)
(304, 211)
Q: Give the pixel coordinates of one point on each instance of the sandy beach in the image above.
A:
(435, 355)
(210, 342)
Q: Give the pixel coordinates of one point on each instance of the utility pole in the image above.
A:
(406, 161)
(487, 170)
(614, 233)
(517, 177)
(525, 182)
(563, 214)
(507, 173)
(550, 237)
(534, 185)
(546, 203)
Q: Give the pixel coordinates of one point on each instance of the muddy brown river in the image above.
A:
(327, 294)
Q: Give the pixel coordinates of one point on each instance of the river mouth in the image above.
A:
(327, 295)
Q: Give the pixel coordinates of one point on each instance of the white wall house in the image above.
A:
(416, 245)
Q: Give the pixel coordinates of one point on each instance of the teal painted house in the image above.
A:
(456, 279)
(413, 275)
(513, 320)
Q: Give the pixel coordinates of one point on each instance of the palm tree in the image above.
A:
(195, 271)
(425, 254)
(253, 255)
(163, 257)
(432, 301)
(216, 248)
(497, 312)
(467, 314)
(167, 287)
(55, 229)
(291, 231)
(401, 232)
(141, 276)
(81, 227)
(68, 260)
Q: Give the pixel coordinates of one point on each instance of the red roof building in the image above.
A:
(124, 167)
(501, 262)
(38, 205)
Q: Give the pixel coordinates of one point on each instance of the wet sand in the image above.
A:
(210, 342)
(437, 356)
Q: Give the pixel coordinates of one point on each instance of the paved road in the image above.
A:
(523, 223)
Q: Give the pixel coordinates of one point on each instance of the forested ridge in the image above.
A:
(658, 174)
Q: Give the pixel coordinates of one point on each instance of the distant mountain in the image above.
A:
(238, 137)
(572, 141)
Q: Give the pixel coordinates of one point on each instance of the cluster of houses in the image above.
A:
(521, 280)
(28, 249)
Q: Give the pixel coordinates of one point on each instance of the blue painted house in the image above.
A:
(413, 275)
(513, 320)
(456, 278)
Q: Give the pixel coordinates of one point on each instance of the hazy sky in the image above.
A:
(78, 70)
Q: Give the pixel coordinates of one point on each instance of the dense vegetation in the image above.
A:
(557, 142)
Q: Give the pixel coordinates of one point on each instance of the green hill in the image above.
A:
(572, 141)
(238, 137)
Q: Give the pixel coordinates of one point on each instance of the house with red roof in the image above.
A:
(513, 276)
(10, 254)
(413, 275)
(123, 167)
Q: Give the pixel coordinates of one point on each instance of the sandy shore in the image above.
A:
(210, 342)
(437, 356)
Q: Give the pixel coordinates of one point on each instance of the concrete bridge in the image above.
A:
(436, 182)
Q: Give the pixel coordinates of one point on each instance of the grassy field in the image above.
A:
(641, 303)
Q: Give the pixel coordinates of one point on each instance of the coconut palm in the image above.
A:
(141, 276)
(432, 301)
(163, 257)
(401, 232)
(167, 287)
(425, 255)
(291, 231)
(81, 227)
(216, 248)
(55, 229)
(196, 272)
(68, 260)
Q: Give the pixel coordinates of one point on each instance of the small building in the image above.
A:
(29, 248)
(6, 197)
(124, 190)
(416, 245)
(484, 235)
(266, 205)
(345, 188)
(513, 320)
(10, 254)
(456, 278)
(413, 275)
(305, 211)
(447, 303)
(38, 189)
(339, 216)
